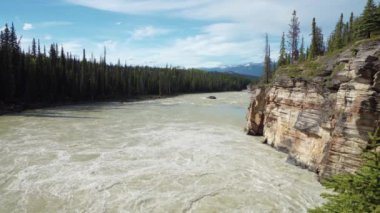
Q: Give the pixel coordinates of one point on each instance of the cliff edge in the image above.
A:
(322, 121)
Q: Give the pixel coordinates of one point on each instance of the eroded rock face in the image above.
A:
(323, 129)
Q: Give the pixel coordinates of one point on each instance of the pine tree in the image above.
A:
(7, 65)
(84, 56)
(282, 57)
(34, 48)
(293, 36)
(307, 53)
(377, 18)
(13, 40)
(368, 22)
(317, 44)
(338, 40)
(346, 34)
(302, 50)
(320, 42)
(351, 28)
(357, 192)
(38, 48)
(267, 61)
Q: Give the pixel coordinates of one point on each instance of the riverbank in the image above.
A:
(19, 107)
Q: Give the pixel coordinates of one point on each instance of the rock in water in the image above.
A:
(211, 97)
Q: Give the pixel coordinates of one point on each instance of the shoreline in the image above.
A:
(19, 107)
(15, 108)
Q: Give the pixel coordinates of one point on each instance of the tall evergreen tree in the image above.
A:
(282, 57)
(293, 36)
(351, 28)
(377, 18)
(320, 41)
(34, 48)
(13, 39)
(267, 61)
(339, 33)
(317, 43)
(302, 51)
(368, 22)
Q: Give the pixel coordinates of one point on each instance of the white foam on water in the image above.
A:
(155, 156)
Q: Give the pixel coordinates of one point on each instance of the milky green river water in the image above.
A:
(181, 154)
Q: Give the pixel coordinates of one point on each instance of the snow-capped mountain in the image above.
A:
(252, 69)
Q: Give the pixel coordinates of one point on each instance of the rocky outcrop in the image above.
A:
(322, 123)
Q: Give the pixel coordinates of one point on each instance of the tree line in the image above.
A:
(36, 75)
(293, 50)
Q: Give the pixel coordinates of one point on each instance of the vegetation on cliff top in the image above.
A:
(298, 61)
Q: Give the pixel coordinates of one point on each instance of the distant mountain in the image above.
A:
(251, 69)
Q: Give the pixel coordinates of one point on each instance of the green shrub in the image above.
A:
(357, 192)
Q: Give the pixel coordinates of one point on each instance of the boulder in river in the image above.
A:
(211, 97)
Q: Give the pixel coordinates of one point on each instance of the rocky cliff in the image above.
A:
(322, 122)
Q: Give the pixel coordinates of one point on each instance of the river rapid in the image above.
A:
(181, 154)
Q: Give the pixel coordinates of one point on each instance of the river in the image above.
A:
(181, 154)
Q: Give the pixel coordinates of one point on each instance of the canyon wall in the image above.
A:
(322, 123)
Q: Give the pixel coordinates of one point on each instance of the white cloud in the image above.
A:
(47, 37)
(236, 33)
(118, 23)
(74, 46)
(27, 26)
(25, 43)
(109, 44)
(148, 32)
(139, 6)
(217, 44)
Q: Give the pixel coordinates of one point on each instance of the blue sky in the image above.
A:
(189, 33)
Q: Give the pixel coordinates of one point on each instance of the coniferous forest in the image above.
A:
(52, 75)
(293, 50)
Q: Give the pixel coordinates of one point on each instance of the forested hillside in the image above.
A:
(53, 75)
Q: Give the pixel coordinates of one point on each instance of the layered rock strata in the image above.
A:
(323, 123)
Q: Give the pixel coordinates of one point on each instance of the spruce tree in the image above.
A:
(368, 22)
(293, 36)
(14, 43)
(351, 28)
(267, 61)
(34, 48)
(317, 46)
(302, 50)
(320, 42)
(282, 57)
(314, 42)
(377, 18)
(339, 37)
